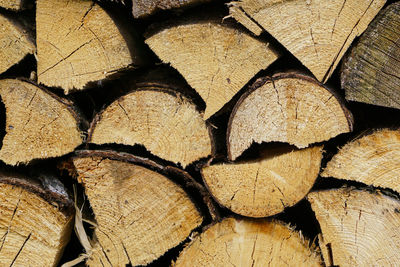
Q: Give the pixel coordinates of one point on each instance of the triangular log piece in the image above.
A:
(15, 43)
(140, 214)
(162, 120)
(16, 5)
(237, 13)
(373, 160)
(359, 228)
(39, 124)
(245, 242)
(144, 8)
(371, 71)
(215, 59)
(36, 218)
(317, 32)
(78, 42)
(288, 107)
(261, 188)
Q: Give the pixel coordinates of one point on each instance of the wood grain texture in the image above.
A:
(317, 32)
(371, 71)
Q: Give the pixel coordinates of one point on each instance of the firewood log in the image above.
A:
(359, 228)
(36, 217)
(371, 71)
(244, 242)
(288, 107)
(39, 124)
(266, 186)
(140, 213)
(373, 160)
(16, 5)
(318, 32)
(216, 60)
(15, 42)
(78, 42)
(158, 117)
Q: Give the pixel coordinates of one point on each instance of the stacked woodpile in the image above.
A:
(199, 133)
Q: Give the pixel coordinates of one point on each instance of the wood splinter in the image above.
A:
(265, 187)
(39, 124)
(359, 228)
(140, 214)
(215, 59)
(288, 107)
(36, 218)
(245, 242)
(161, 119)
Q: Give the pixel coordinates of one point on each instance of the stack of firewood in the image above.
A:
(200, 133)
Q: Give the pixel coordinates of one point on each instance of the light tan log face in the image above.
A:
(216, 60)
(264, 187)
(317, 32)
(288, 108)
(144, 8)
(360, 228)
(165, 122)
(38, 124)
(245, 242)
(15, 43)
(373, 160)
(11, 4)
(33, 231)
(371, 71)
(78, 42)
(140, 213)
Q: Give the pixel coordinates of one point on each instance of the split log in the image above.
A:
(36, 218)
(215, 59)
(237, 13)
(39, 124)
(371, 71)
(373, 160)
(140, 213)
(158, 117)
(265, 187)
(78, 42)
(16, 5)
(287, 107)
(318, 33)
(245, 242)
(144, 8)
(15, 42)
(358, 228)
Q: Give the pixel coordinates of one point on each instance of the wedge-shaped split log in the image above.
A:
(39, 124)
(163, 120)
(245, 242)
(371, 71)
(140, 213)
(359, 228)
(15, 42)
(290, 108)
(373, 160)
(78, 42)
(16, 5)
(317, 32)
(215, 59)
(261, 188)
(36, 218)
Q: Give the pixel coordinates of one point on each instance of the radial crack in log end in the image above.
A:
(359, 228)
(38, 124)
(78, 43)
(373, 160)
(162, 120)
(371, 71)
(35, 221)
(15, 42)
(290, 108)
(264, 187)
(246, 242)
(140, 213)
(216, 60)
(317, 32)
